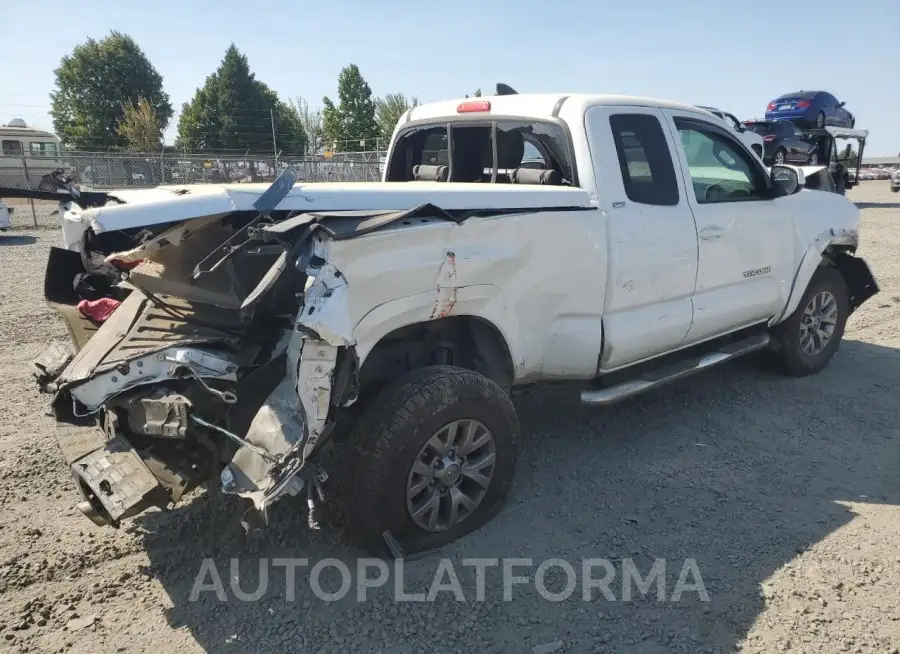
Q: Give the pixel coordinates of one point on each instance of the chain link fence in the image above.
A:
(108, 170)
(117, 170)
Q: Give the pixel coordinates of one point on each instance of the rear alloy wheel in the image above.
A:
(779, 156)
(820, 120)
(811, 335)
(451, 475)
(436, 456)
(813, 159)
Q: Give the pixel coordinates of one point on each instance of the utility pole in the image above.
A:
(274, 145)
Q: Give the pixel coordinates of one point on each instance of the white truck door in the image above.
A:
(651, 237)
(746, 244)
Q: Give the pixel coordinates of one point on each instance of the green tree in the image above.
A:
(477, 94)
(95, 83)
(350, 125)
(311, 119)
(140, 126)
(389, 110)
(235, 111)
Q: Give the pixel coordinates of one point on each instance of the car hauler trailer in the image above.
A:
(834, 174)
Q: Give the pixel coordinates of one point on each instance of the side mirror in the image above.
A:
(785, 180)
(841, 104)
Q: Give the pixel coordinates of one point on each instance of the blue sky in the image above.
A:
(734, 55)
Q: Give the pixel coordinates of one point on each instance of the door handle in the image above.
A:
(711, 232)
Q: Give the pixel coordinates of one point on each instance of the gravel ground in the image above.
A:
(784, 492)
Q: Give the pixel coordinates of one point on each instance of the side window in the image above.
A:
(721, 171)
(43, 149)
(644, 159)
(11, 147)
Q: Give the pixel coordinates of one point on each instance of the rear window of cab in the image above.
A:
(499, 151)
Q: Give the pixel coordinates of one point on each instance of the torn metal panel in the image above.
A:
(446, 284)
(297, 414)
(50, 364)
(171, 363)
(326, 311)
(170, 238)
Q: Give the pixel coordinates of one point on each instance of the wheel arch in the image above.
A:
(839, 253)
(403, 335)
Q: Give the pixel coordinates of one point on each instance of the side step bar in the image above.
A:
(656, 378)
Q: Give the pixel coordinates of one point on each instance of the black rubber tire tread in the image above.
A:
(392, 429)
(793, 359)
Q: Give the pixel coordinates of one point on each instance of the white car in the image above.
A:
(5, 217)
(750, 138)
(259, 322)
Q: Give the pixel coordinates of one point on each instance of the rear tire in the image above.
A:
(820, 120)
(823, 308)
(397, 429)
(780, 157)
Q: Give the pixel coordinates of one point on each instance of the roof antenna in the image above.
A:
(505, 89)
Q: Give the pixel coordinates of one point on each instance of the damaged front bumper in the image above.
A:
(134, 438)
(300, 413)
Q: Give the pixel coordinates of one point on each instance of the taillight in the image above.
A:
(473, 106)
(770, 106)
(802, 104)
(769, 137)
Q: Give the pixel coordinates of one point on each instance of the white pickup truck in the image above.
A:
(516, 239)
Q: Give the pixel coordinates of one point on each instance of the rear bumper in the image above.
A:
(806, 115)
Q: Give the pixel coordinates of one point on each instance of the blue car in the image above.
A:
(810, 109)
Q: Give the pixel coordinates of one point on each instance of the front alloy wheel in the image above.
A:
(818, 323)
(810, 336)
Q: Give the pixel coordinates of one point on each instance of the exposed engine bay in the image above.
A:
(228, 352)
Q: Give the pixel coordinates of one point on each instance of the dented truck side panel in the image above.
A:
(545, 296)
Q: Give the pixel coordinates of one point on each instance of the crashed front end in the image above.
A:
(227, 354)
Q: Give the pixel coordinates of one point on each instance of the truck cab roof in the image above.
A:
(546, 105)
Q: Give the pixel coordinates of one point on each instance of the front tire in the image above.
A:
(436, 456)
(808, 339)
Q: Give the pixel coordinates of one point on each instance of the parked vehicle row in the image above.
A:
(782, 138)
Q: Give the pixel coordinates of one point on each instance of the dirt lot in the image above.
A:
(784, 491)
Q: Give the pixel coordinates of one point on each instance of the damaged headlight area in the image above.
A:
(228, 354)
